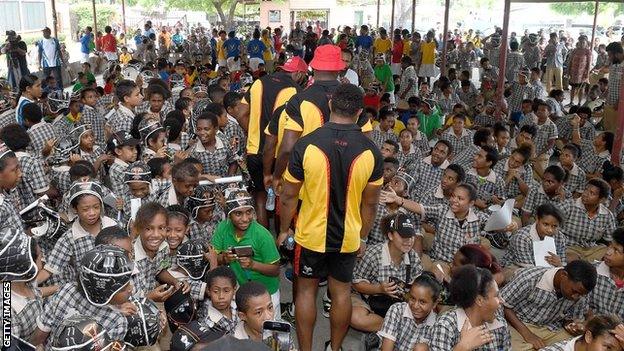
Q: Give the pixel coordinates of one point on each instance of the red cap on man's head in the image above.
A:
(295, 64)
(328, 58)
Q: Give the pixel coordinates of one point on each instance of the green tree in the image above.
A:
(226, 9)
(585, 8)
(106, 14)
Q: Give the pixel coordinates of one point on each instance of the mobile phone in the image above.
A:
(243, 251)
(276, 335)
(402, 287)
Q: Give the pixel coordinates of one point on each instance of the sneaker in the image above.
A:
(288, 312)
(322, 282)
(371, 342)
(326, 305)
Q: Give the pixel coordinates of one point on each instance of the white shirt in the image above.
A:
(352, 77)
(48, 59)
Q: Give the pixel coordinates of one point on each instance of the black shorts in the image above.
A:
(312, 264)
(255, 168)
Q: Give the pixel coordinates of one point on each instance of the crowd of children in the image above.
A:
(136, 209)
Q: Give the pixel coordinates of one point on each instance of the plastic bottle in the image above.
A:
(270, 202)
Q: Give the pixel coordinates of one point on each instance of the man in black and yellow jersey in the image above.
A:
(339, 173)
(263, 97)
(309, 109)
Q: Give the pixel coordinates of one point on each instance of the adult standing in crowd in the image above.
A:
(265, 96)
(616, 57)
(86, 44)
(15, 50)
(49, 57)
(340, 172)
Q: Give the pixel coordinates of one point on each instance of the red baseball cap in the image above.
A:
(327, 58)
(295, 64)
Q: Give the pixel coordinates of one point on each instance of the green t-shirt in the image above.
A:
(384, 73)
(90, 78)
(263, 244)
(431, 122)
(77, 87)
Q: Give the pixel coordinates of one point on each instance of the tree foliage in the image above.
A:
(585, 8)
(106, 14)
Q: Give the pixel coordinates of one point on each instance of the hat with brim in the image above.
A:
(187, 336)
(327, 58)
(404, 225)
(121, 139)
(294, 64)
(78, 132)
(147, 127)
(138, 172)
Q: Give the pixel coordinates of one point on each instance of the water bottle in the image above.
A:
(289, 243)
(270, 202)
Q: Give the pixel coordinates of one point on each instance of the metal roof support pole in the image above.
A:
(502, 63)
(447, 5)
(392, 20)
(54, 20)
(413, 16)
(123, 17)
(378, 12)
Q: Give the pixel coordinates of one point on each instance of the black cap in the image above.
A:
(121, 138)
(403, 224)
(189, 335)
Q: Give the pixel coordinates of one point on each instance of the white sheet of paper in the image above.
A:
(500, 218)
(135, 204)
(541, 249)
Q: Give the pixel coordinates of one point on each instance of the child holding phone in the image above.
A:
(241, 229)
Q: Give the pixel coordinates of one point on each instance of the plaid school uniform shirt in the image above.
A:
(545, 132)
(582, 230)
(532, 296)
(93, 155)
(212, 319)
(537, 196)
(39, 134)
(203, 231)
(233, 131)
(520, 250)
(446, 332)
(427, 176)
(485, 120)
(160, 184)
(215, 162)
(459, 143)
(465, 158)
(34, 180)
(576, 180)
(9, 217)
(420, 141)
(435, 198)
(59, 175)
(532, 56)
(450, 233)
(515, 61)
(413, 156)
(376, 235)
(66, 256)
(606, 298)
(24, 312)
(144, 280)
(379, 137)
(144, 107)
(63, 126)
(592, 161)
(399, 326)
(587, 131)
(116, 175)
(512, 188)
(519, 92)
(69, 301)
(92, 117)
(376, 266)
(537, 90)
(488, 186)
(121, 120)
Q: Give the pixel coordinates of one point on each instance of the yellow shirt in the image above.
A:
(382, 45)
(407, 45)
(398, 126)
(220, 50)
(428, 52)
(267, 55)
(125, 58)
